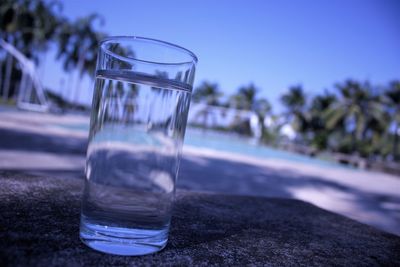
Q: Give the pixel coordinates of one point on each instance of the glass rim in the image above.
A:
(151, 40)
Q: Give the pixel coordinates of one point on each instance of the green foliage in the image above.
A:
(295, 103)
(241, 127)
(78, 42)
(351, 120)
(32, 25)
(354, 120)
(208, 93)
(29, 25)
(295, 99)
(245, 98)
(262, 107)
(392, 102)
(270, 136)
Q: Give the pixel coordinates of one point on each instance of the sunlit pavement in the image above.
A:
(43, 144)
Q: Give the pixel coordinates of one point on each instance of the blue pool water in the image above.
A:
(234, 144)
(242, 146)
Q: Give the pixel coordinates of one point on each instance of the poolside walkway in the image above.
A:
(40, 144)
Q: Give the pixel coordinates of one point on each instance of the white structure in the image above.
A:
(288, 131)
(255, 126)
(220, 116)
(30, 93)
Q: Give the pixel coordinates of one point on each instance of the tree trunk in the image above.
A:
(7, 80)
(68, 91)
(1, 74)
(395, 142)
(43, 66)
(205, 119)
(353, 141)
(80, 64)
(77, 90)
(261, 119)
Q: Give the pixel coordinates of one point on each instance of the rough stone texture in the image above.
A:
(39, 224)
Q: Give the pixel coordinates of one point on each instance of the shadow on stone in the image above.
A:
(27, 141)
(40, 222)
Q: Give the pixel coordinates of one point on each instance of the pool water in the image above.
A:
(233, 144)
(247, 146)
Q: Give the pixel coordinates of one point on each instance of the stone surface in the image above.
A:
(39, 224)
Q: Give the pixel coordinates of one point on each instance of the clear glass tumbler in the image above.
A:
(139, 114)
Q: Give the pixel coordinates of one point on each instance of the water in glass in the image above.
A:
(137, 127)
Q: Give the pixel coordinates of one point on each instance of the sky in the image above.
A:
(273, 44)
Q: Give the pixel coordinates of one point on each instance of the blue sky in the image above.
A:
(273, 44)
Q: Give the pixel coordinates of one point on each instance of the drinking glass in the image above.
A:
(140, 106)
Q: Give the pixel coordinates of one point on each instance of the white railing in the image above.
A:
(31, 95)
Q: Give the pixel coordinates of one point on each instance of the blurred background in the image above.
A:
(300, 98)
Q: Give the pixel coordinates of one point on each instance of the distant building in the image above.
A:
(288, 131)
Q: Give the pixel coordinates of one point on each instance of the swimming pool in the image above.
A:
(244, 146)
(233, 144)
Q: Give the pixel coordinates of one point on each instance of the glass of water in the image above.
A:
(138, 120)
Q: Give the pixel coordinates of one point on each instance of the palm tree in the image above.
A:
(209, 94)
(356, 108)
(393, 96)
(78, 47)
(295, 103)
(317, 123)
(245, 97)
(48, 20)
(263, 108)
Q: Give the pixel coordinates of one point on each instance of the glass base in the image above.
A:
(123, 241)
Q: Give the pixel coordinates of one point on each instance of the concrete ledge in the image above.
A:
(39, 225)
